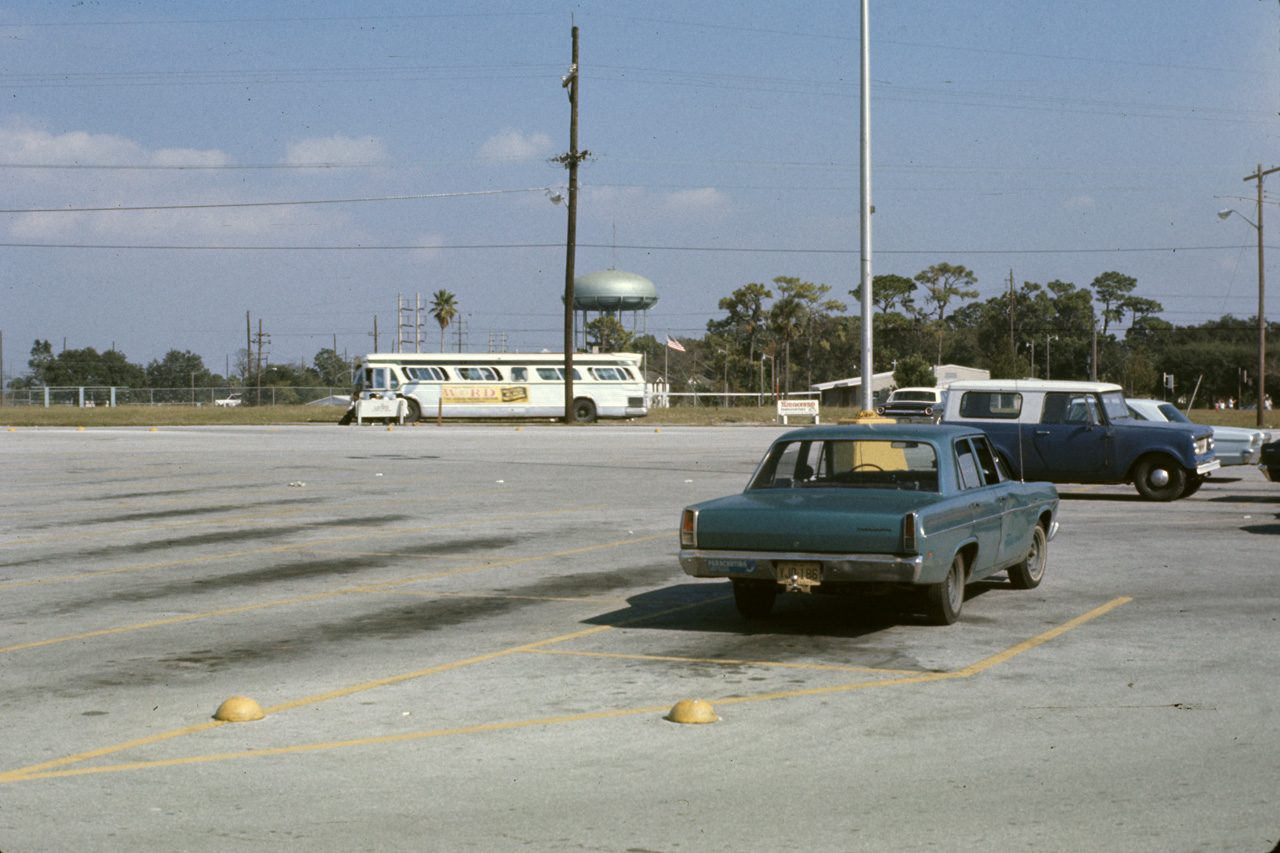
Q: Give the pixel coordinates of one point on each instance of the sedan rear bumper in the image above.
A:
(836, 568)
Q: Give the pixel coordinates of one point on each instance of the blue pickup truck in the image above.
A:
(1083, 432)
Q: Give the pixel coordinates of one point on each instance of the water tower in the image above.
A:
(611, 292)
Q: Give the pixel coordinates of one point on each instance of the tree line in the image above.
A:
(791, 334)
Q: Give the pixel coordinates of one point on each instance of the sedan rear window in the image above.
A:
(849, 464)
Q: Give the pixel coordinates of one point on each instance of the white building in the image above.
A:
(848, 392)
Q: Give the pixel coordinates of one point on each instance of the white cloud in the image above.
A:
(21, 143)
(430, 244)
(707, 201)
(514, 146)
(336, 149)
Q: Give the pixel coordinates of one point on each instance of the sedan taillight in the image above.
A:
(909, 533)
(689, 529)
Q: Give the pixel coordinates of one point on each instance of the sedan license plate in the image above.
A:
(799, 573)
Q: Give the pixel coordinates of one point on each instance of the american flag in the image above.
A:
(674, 344)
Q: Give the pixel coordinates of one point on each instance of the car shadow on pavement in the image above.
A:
(709, 607)
(1246, 499)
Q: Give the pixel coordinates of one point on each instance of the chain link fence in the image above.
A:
(93, 395)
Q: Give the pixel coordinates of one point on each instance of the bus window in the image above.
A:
(479, 374)
(381, 379)
(519, 374)
(427, 374)
(608, 374)
(556, 374)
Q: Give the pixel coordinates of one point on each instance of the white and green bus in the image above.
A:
(504, 385)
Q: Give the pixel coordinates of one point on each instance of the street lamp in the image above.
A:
(1262, 321)
(1047, 338)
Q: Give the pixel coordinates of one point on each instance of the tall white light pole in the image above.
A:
(868, 368)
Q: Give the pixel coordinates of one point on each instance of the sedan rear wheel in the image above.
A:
(754, 598)
(943, 601)
(1029, 573)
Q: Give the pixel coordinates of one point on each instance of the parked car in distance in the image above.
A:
(233, 400)
(870, 508)
(1270, 461)
(1082, 432)
(1231, 445)
(924, 404)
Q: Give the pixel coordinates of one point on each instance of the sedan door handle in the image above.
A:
(1042, 432)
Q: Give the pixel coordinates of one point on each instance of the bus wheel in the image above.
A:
(584, 411)
(413, 413)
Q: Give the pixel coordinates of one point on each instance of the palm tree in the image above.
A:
(444, 307)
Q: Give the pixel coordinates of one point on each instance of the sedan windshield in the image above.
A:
(849, 464)
(1172, 414)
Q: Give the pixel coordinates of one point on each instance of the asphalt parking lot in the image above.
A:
(467, 638)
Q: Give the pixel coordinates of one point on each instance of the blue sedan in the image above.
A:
(860, 508)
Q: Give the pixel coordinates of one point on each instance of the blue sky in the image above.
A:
(1047, 140)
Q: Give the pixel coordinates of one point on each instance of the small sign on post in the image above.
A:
(797, 409)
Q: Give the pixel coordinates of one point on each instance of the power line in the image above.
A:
(654, 248)
(269, 203)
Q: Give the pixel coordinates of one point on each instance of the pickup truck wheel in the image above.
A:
(754, 598)
(1194, 482)
(1160, 479)
(1029, 573)
(943, 601)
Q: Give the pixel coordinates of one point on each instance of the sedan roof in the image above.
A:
(881, 432)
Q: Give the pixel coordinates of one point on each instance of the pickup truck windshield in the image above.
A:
(1114, 406)
(850, 464)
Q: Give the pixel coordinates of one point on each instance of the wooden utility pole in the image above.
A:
(262, 338)
(1262, 304)
(571, 161)
(248, 347)
(1013, 347)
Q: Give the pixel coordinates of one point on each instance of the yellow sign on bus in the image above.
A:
(485, 394)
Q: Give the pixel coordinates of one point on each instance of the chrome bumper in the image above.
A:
(1205, 467)
(836, 568)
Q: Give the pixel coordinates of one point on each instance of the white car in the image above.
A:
(233, 400)
(907, 404)
(1232, 445)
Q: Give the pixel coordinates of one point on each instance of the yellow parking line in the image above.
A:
(728, 662)
(987, 663)
(48, 769)
(583, 599)
(366, 588)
